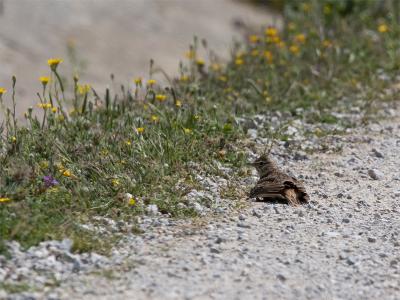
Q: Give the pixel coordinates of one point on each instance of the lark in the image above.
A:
(274, 184)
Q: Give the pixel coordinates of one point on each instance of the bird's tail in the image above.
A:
(292, 197)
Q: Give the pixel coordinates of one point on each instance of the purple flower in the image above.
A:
(49, 181)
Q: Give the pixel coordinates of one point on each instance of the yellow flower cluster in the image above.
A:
(272, 36)
(190, 54)
(187, 130)
(65, 172)
(4, 199)
(178, 103)
(155, 118)
(2, 91)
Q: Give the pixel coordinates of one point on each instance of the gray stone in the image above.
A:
(375, 174)
(377, 153)
(152, 209)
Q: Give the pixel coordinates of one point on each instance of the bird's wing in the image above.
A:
(266, 189)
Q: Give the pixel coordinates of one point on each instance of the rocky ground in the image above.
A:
(345, 244)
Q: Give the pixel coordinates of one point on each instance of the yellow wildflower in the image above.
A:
(83, 89)
(140, 129)
(13, 139)
(104, 152)
(271, 31)
(44, 105)
(54, 62)
(254, 52)
(2, 91)
(67, 173)
(132, 201)
(137, 81)
(239, 62)
(161, 97)
(268, 55)
(275, 39)
(215, 67)
(128, 142)
(327, 43)
(155, 118)
(4, 199)
(187, 130)
(294, 49)
(383, 28)
(196, 117)
(200, 62)
(151, 82)
(300, 38)
(115, 182)
(54, 109)
(178, 103)
(254, 38)
(184, 78)
(44, 80)
(190, 54)
(223, 78)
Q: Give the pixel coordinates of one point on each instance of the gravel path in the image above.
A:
(344, 245)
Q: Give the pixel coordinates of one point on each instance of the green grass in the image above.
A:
(15, 288)
(323, 60)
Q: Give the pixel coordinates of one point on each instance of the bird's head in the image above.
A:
(264, 165)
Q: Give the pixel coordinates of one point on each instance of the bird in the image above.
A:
(274, 184)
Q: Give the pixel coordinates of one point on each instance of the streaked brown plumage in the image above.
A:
(276, 185)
